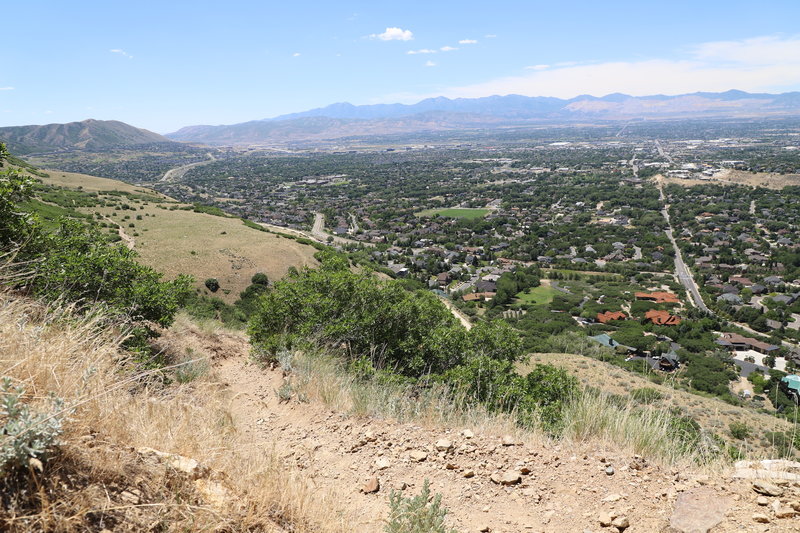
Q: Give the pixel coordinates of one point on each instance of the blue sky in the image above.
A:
(164, 65)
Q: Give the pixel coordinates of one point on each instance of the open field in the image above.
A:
(541, 295)
(768, 180)
(712, 414)
(455, 212)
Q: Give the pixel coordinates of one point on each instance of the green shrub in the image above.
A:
(417, 514)
(739, 430)
(646, 395)
(212, 284)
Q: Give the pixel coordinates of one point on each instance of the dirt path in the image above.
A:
(557, 487)
(456, 312)
(129, 241)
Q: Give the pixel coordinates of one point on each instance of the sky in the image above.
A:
(173, 63)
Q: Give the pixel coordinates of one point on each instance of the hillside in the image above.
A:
(87, 134)
(174, 239)
(443, 114)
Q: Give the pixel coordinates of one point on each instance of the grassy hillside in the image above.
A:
(712, 414)
(176, 241)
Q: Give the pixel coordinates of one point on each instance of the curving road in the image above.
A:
(177, 173)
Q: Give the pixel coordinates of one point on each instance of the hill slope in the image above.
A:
(174, 239)
(87, 134)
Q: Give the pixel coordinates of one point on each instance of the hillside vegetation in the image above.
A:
(87, 134)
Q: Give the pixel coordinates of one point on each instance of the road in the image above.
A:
(682, 272)
(662, 153)
(319, 233)
(177, 173)
(456, 313)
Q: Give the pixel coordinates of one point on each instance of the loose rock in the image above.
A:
(373, 485)
(418, 455)
(766, 488)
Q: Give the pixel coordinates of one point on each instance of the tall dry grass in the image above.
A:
(591, 417)
(110, 411)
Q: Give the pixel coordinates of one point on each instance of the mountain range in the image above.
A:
(442, 114)
(88, 134)
(342, 120)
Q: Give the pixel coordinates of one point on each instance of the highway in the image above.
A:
(178, 172)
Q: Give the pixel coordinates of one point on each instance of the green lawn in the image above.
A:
(541, 295)
(454, 212)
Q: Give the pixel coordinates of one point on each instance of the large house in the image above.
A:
(608, 316)
(738, 343)
(658, 297)
(662, 318)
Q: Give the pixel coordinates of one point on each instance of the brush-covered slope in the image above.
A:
(87, 134)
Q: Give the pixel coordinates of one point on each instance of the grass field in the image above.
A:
(711, 413)
(455, 212)
(541, 295)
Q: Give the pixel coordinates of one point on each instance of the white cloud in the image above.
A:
(422, 51)
(537, 67)
(394, 34)
(448, 48)
(769, 64)
(467, 41)
(430, 64)
(6, 88)
(490, 35)
(121, 52)
(296, 54)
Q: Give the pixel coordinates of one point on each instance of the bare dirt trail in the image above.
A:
(552, 487)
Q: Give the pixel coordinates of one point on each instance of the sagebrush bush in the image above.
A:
(25, 434)
(416, 514)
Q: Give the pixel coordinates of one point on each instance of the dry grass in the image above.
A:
(73, 180)
(591, 417)
(206, 246)
(111, 414)
(710, 413)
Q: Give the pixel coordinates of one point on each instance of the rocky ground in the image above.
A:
(491, 482)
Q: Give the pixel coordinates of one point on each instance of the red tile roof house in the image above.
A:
(662, 318)
(608, 316)
(658, 297)
(736, 342)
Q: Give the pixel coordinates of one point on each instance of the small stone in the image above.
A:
(795, 505)
(443, 445)
(511, 478)
(761, 518)
(766, 488)
(468, 434)
(605, 519)
(486, 509)
(369, 436)
(621, 522)
(382, 463)
(762, 500)
(495, 478)
(484, 529)
(373, 485)
(612, 498)
(609, 470)
(469, 473)
(418, 455)
(782, 511)
(508, 440)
